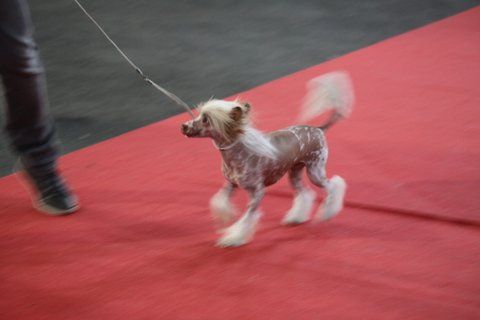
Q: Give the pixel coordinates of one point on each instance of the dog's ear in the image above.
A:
(236, 113)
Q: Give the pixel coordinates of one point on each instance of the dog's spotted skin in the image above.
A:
(298, 146)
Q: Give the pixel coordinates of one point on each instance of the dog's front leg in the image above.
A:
(243, 230)
(220, 206)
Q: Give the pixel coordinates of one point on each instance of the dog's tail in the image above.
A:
(329, 92)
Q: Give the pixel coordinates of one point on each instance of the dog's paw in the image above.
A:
(241, 232)
(235, 236)
(231, 241)
(333, 204)
(294, 220)
(301, 209)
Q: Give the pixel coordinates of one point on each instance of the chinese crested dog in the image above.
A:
(253, 160)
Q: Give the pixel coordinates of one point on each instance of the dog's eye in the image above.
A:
(204, 119)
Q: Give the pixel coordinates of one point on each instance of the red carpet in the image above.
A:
(142, 246)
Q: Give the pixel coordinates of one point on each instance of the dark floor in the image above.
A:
(197, 49)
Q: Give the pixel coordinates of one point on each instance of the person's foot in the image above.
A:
(51, 194)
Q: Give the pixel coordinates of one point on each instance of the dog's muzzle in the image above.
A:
(189, 129)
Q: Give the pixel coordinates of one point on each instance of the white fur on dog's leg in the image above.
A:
(222, 209)
(301, 209)
(241, 232)
(334, 201)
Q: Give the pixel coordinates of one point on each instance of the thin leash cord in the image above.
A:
(170, 95)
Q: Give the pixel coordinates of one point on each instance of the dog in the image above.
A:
(253, 160)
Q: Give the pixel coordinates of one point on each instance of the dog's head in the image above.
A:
(219, 119)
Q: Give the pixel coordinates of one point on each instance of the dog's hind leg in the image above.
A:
(242, 231)
(220, 206)
(304, 199)
(335, 188)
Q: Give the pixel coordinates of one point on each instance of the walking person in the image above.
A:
(29, 124)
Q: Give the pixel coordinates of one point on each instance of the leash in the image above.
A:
(170, 95)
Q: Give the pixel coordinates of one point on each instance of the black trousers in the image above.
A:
(28, 124)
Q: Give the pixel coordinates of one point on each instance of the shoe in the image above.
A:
(50, 192)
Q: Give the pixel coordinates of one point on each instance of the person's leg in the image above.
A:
(29, 125)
